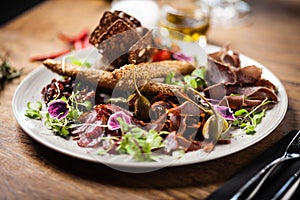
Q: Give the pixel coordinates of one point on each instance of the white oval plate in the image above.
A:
(29, 91)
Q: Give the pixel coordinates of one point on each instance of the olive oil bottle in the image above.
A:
(189, 17)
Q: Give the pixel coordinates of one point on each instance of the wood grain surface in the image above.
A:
(29, 170)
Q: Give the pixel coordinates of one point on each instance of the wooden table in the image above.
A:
(30, 170)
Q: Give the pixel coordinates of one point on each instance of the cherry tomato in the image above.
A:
(161, 55)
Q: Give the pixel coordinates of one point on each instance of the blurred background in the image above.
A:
(12, 8)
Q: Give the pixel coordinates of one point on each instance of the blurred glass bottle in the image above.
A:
(190, 17)
(229, 13)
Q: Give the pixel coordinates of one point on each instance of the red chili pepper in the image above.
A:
(50, 55)
(86, 42)
(72, 39)
(78, 45)
(78, 42)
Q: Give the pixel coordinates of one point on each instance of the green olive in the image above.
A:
(141, 108)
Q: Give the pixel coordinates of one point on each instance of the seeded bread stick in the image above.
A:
(104, 79)
(122, 79)
(154, 69)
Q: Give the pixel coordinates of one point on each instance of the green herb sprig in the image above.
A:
(7, 72)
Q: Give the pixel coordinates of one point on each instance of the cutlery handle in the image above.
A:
(247, 191)
(289, 187)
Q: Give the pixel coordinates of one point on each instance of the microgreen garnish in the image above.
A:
(58, 126)
(195, 80)
(248, 120)
(62, 113)
(65, 113)
(79, 62)
(139, 143)
(33, 110)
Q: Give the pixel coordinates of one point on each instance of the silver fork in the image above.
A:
(288, 189)
(292, 152)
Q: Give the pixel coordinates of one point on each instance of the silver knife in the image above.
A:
(292, 152)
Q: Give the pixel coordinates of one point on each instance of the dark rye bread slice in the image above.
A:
(121, 39)
(107, 20)
(142, 50)
(117, 41)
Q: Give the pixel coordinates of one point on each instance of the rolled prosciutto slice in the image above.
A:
(253, 92)
(237, 97)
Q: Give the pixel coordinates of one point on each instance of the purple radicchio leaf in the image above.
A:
(181, 56)
(225, 112)
(113, 123)
(58, 109)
